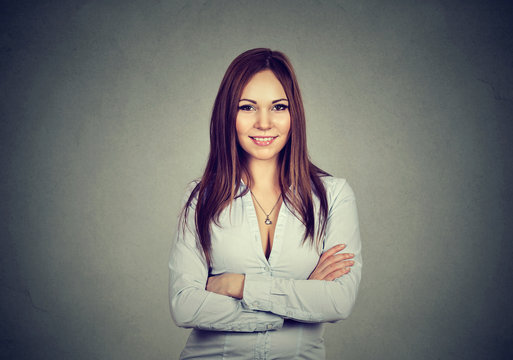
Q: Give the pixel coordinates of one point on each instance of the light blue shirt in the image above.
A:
(281, 313)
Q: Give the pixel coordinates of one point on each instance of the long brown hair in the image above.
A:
(220, 183)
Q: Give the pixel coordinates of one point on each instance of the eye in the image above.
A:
(246, 108)
(280, 107)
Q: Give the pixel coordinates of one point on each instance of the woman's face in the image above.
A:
(263, 119)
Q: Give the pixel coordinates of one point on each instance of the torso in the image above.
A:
(236, 248)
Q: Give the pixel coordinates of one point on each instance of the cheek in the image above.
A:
(285, 126)
(240, 127)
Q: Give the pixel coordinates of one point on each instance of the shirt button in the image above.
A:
(267, 268)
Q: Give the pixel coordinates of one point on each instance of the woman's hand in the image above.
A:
(228, 284)
(331, 266)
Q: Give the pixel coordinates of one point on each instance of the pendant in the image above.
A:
(268, 222)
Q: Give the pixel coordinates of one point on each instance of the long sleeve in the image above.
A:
(316, 300)
(192, 306)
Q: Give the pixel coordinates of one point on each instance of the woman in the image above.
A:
(246, 270)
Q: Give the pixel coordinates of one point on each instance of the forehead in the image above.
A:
(264, 84)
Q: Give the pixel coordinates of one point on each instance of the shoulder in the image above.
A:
(337, 189)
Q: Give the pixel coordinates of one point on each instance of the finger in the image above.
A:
(336, 266)
(333, 250)
(333, 259)
(329, 253)
(347, 263)
(336, 274)
(345, 256)
(339, 257)
(327, 258)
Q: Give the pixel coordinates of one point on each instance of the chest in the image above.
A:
(244, 244)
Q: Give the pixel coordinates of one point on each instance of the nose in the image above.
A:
(264, 121)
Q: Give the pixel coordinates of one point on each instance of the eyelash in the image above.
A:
(280, 107)
(277, 107)
(246, 107)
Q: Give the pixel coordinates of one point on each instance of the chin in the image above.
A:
(262, 154)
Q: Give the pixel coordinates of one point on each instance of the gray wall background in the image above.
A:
(105, 109)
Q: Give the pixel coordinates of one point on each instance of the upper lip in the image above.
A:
(263, 136)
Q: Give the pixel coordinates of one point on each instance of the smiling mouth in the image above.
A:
(263, 140)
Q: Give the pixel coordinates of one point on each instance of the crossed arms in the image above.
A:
(255, 302)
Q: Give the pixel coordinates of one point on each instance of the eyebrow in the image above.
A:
(254, 102)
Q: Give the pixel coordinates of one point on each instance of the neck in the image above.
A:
(265, 175)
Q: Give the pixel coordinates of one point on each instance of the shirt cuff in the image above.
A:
(257, 292)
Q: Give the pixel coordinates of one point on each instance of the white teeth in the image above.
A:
(263, 139)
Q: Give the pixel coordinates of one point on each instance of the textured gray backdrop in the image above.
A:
(105, 109)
